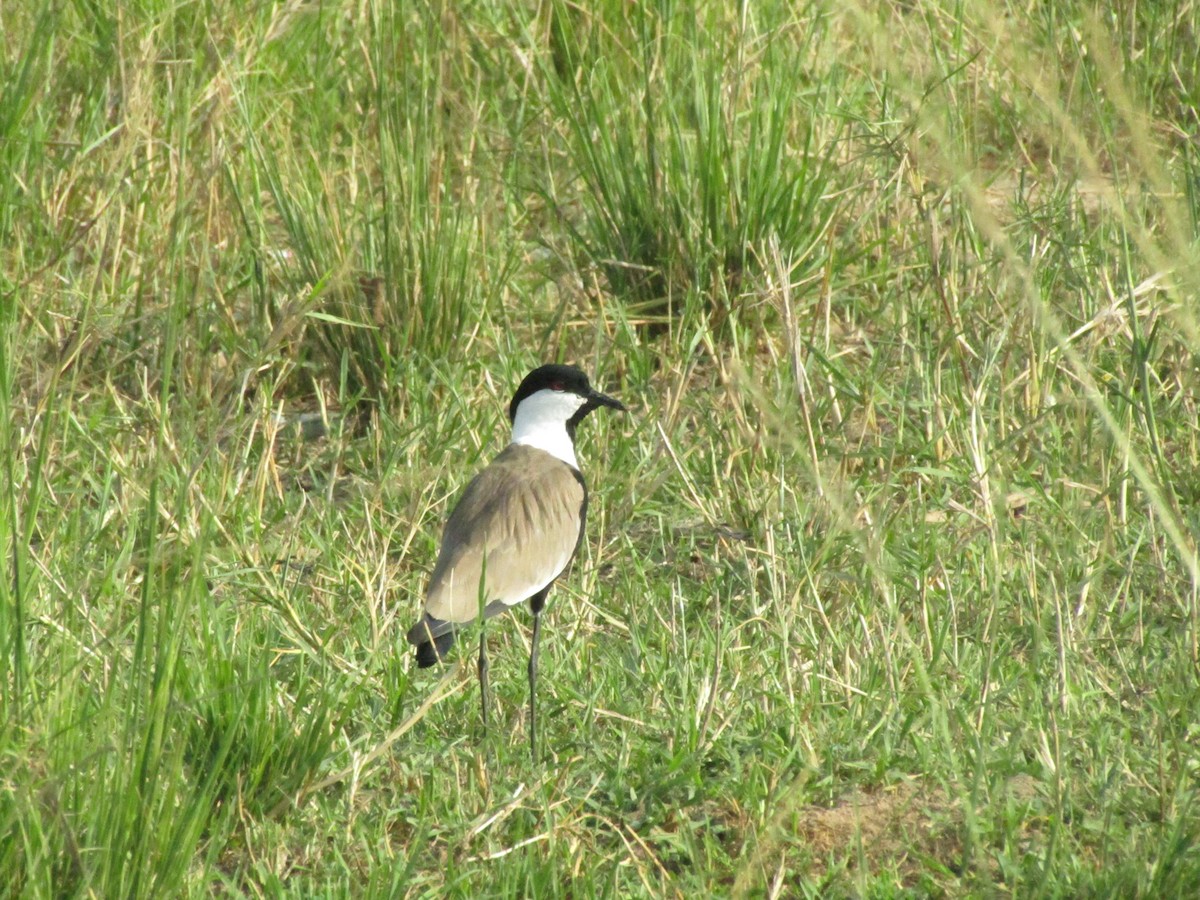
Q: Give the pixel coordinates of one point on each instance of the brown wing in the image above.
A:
(515, 529)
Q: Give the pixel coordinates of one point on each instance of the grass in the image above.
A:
(890, 585)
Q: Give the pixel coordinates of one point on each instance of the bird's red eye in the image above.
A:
(557, 386)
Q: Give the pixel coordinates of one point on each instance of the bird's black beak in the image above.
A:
(596, 399)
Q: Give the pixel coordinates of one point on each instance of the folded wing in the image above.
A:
(512, 533)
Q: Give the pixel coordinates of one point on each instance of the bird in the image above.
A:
(517, 525)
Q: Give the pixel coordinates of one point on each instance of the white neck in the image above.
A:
(541, 422)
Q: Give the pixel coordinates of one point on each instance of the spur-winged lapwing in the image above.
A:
(516, 526)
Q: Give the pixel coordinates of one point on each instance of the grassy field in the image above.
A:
(891, 583)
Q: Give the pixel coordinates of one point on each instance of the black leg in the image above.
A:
(483, 673)
(533, 665)
(536, 602)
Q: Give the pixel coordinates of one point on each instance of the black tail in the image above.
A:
(432, 652)
(433, 639)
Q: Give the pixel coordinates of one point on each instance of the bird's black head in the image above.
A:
(562, 379)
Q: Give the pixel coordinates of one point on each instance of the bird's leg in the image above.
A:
(533, 663)
(483, 673)
(536, 603)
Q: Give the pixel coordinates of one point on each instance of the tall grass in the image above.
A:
(890, 582)
(692, 155)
